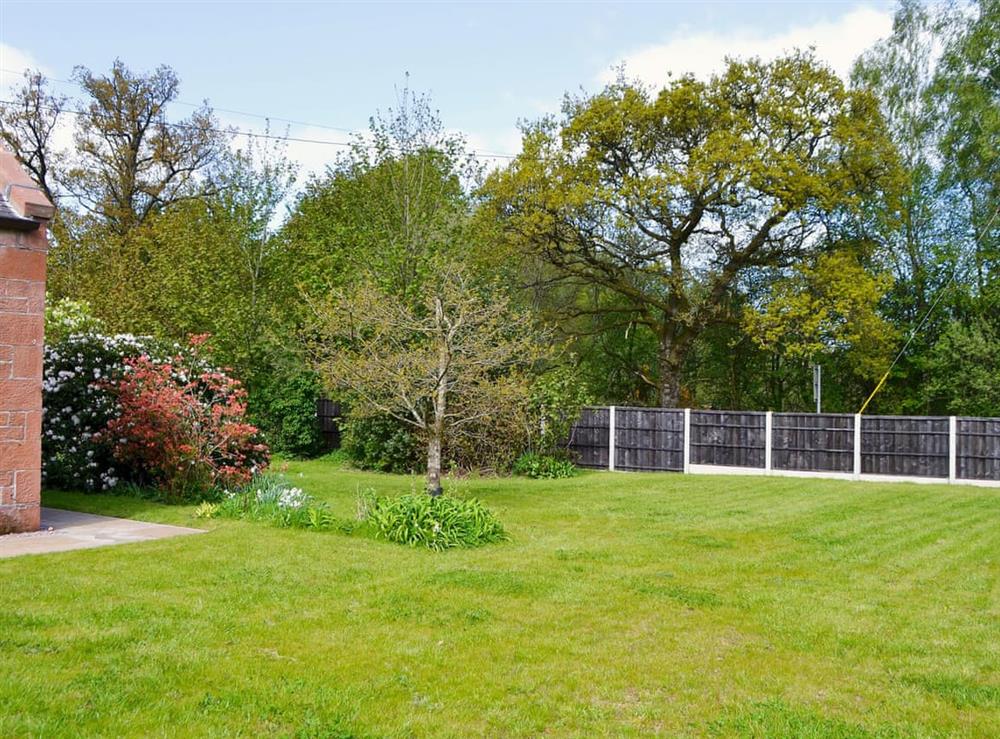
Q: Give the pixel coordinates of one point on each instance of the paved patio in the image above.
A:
(63, 531)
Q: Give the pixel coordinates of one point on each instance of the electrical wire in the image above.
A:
(250, 134)
(923, 321)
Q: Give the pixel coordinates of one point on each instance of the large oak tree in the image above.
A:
(669, 200)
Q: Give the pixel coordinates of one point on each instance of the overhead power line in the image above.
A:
(923, 321)
(251, 134)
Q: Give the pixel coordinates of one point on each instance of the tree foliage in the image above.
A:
(670, 200)
(825, 307)
(439, 364)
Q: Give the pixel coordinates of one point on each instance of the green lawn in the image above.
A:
(624, 605)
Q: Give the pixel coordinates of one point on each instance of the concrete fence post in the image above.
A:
(952, 448)
(687, 440)
(611, 438)
(857, 446)
(768, 444)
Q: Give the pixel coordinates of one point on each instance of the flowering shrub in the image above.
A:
(78, 402)
(272, 498)
(181, 425)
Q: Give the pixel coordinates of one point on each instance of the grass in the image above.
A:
(624, 605)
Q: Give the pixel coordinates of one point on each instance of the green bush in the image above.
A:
(273, 499)
(543, 467)
(284, 408)
(78, 403)
(438, 523)
(382, 444)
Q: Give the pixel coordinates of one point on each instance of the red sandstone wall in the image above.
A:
(22, 308)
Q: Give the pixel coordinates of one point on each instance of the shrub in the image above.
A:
(78, 400)
(383, 444)
(182, 426)
(438, 523)
(284, 407)
(65, 317)
(543, 466)
(556, 400)
(272, 498)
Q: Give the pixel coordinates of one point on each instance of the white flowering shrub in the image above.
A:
(78, 402)
(270, 497)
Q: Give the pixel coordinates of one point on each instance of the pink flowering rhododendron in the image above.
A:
(184, 425)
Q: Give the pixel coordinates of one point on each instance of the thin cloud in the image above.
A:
(837, 42)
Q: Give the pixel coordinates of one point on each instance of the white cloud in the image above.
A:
(13, 62)
(838, 42)
(494, 148)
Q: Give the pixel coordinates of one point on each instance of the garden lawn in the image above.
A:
(624, 605)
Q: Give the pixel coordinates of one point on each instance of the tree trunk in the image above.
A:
(436, 429)
(434, 464)
(671, 359)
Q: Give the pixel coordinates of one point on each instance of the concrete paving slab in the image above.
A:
(63, 531)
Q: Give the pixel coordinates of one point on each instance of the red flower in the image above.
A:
(184, 436)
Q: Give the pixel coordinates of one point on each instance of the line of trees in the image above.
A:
(699, 244)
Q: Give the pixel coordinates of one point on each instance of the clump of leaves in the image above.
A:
(436, 522)
(544, 466)
(273, 499)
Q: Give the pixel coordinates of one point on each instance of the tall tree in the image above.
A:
(669, 200)
(27, 126)
(825, 308)
(131, 160)
(438, 364)
(967, 96)
(214, 265)
(389, 207)
(912, 230)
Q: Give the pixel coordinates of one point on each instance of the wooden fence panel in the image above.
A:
(730, 438)
(588, 439)
(812, 442)
(904, 445)
(328, 414)
(649, 439)
(897, 446)
(978, 449)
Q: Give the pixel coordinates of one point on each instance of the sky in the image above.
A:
(330, 66)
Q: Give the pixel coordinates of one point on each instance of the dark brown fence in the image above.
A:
(919, 447)
(728, 438)
(904, 445)
(813, 442)
(648, 439)
(589, 438)
(978, 452)
(328, 414)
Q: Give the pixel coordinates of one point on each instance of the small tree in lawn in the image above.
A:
(439, 363)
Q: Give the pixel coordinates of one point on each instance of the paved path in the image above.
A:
(65, 530)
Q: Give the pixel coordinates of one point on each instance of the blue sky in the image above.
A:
(486, 65)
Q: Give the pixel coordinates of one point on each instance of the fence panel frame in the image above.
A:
(961, 447)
